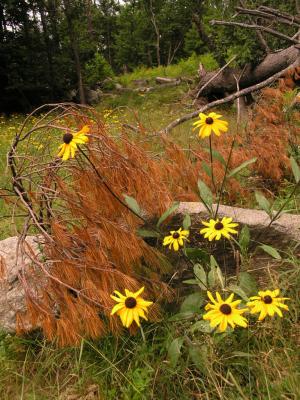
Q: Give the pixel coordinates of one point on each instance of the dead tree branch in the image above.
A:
(281, 14)
(266, 15)
(256, 27)
(259, 34)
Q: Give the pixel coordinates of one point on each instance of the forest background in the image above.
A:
(50, 47)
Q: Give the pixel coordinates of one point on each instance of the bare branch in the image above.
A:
(256, 27)
(281, 14)
(266, 15)
(261, 39)
(227, 99)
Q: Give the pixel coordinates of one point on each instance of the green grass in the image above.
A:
(185, 68)
(259, 363)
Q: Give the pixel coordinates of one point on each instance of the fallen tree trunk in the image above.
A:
(221, 84)
(162, 80)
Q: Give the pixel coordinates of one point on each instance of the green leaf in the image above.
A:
(240, 167)
(239, 291)
(192, 303)
(205, 193)
(167, 213)
(197, 254)
(201, 326)
(218, 156)
(220, 277)
(187, 222)
(182, 316)
(295, 169)
(147, 233)
(244, 238)
(247, 283)
(191, 282)
(214, 275)
(263, 202)
(242, 354)
(206, 169)
(200, 276)
(213, 262)
(132, 204)
(174, 351)
(271, 251)
(198, 356)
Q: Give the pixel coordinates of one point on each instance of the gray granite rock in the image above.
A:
(284, 230)
(13, 263)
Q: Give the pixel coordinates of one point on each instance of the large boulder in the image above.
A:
(14, 264)
(281, 232)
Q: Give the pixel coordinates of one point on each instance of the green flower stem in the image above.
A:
(224, 178)
(211, 163)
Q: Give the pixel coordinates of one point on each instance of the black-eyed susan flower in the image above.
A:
(224, 312)
(130, 307)
(215, 229)
(70, 142)
(267, 303)
(176, 239)
(210, 123)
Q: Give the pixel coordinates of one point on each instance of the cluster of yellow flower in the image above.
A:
(222, 313)
(214, 230)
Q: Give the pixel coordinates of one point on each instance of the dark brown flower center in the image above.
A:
(219, 226)
(130, 302)
(209, 120)
(175, 235)
(225, 309)
(67, 138)
(267, 299)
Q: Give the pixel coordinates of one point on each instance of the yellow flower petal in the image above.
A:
(140, 291)
(116, 308)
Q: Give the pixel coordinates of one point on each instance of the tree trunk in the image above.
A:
(48, 47)
(157, 33)
(210, 43)
(53, 19)
(74, 45)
